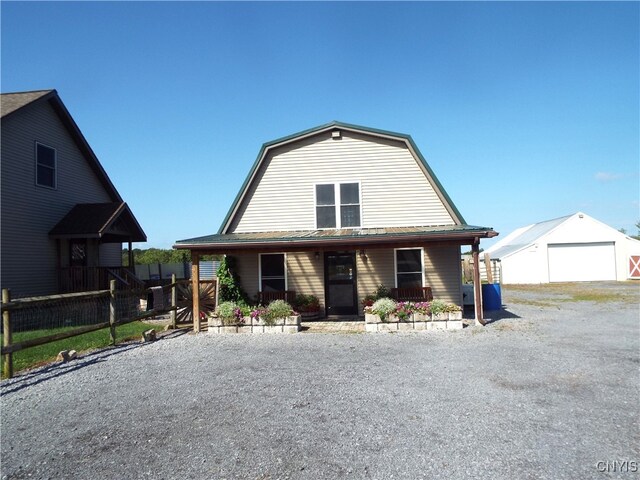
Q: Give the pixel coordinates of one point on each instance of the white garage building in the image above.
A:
(568, 249)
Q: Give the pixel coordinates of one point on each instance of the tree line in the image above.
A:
(150, 256)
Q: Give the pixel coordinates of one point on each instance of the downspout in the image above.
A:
(477, 287)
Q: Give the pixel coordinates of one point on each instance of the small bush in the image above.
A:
(231, 314)
(383, 308)
(277, 309)
(438, 307)
(306, 303)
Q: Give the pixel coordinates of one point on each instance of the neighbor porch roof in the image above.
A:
(110, 222)
(334, 238)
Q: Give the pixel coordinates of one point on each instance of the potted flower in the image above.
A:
(308, 306)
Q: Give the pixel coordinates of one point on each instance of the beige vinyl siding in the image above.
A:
(443, 273)
(305, 274)
(247, 269)
(395, 190)
(376, 269)
(29, 257)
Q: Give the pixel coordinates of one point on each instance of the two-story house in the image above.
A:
(337, 210)
(63, 222)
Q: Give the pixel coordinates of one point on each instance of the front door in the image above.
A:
(340, 283)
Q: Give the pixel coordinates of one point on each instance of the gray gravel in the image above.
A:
(542, 392)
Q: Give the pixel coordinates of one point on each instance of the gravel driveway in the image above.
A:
(548, 390)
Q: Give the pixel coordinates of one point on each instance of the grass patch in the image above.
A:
(47, 353)
(625, 292)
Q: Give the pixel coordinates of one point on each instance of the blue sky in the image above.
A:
(525, 111)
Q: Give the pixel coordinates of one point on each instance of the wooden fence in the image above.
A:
(9, 306)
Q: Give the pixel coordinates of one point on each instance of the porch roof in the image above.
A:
(337, 238)
(110, 222)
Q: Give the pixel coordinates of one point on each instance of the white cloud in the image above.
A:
(607, 176)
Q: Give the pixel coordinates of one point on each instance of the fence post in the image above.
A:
(174, 300)
(7, 361)
(112, 312)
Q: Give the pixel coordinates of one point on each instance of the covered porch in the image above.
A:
(341, 267)
(89, 242)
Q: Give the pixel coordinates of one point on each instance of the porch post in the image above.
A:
(131, 265)
(195, 287)
(477, 287)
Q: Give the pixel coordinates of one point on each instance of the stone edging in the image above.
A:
(417, 321)
(255, 325)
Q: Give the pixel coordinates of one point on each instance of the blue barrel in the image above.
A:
(491, 296)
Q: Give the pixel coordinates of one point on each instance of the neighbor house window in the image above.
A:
(338, 205)
(45, 166)
(272, 272)
(409, 267)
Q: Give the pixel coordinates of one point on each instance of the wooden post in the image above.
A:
(174, 300)
(7, 361)
(112, 312)
(132, 267)
(195, 285)
(477, 286)
(487, 266)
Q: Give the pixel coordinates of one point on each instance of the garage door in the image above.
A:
(582, 262)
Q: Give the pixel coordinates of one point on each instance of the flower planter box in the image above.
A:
(454, 325)
(370, 327)
(455, 316)
(255, 325)
(439, 317)
(388, 327)
(421, 317)
(306, 316)
(371, 318)
(214, 322)
(405, 326)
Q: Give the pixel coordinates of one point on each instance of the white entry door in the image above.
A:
(582, 262)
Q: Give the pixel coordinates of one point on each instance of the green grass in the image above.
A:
(554, 293)
(47, 353)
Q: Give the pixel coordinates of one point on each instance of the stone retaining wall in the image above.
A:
(255, 325)
(417, 321)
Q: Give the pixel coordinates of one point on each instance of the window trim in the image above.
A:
(286, 279)
(55, 166)
(395, 264)
(338, 204)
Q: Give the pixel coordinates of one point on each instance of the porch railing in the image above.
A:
(84, 279)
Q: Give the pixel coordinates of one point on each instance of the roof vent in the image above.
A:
(336, 134)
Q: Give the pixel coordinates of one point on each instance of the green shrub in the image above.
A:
(277, 309)
(231, 314)
(306, 303)
(438, 307)
(384, 307)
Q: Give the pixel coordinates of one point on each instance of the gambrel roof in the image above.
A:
(335, 125)
(227, 239)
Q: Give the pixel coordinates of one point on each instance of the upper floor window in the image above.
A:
(409, 267)
(338, 205)
(45, 166)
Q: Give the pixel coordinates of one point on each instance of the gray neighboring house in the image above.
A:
(62, 220)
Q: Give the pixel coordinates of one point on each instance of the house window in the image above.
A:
(273, 276)
(409, 267)
(45, 166)
(325, 206)
(338, 205)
